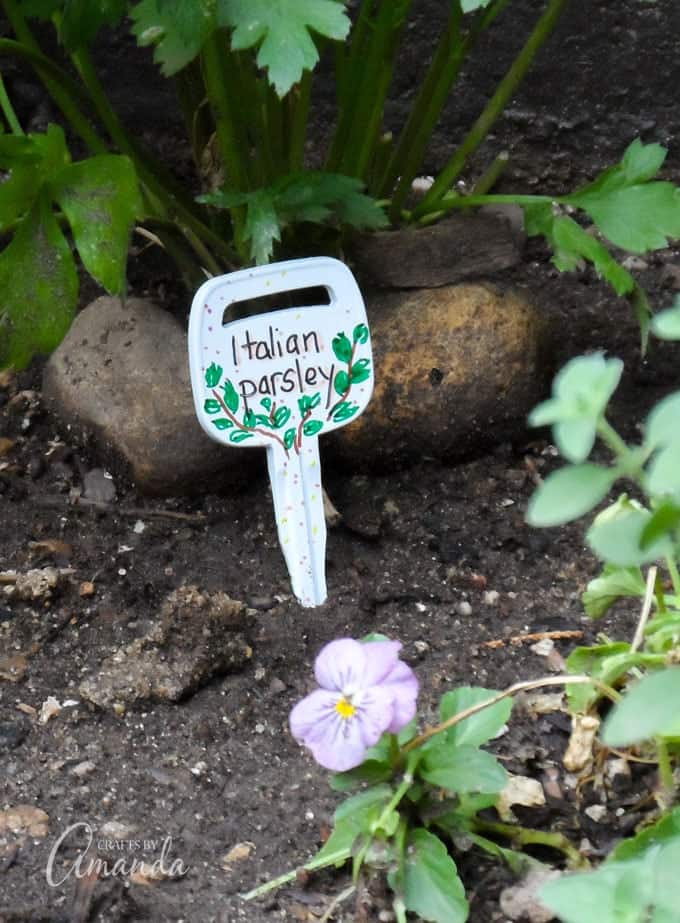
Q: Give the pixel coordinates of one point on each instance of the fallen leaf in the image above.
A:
(53, 546)
(27, 709)
(87, 588)
(519, 790)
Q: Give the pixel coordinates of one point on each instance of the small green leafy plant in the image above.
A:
(417, 797)
(638, 881)
(243, 72)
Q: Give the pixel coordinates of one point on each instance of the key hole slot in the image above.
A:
(317, 295)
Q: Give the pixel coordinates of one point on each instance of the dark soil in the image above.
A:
(414, 557)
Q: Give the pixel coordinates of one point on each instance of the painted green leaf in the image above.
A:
(568, 494)
(177, 30)
(281, 417)
(289, 437)
(212, 375)
(266, 403)
(261, 420)
(249, 419)
(212, 406)
(230, 395)
(360, 334)
(342, 347)
(101, 200)
(308, 402)
(239, 436)
(344, 411)
(581, 391)
(341, 382)
(431, 887)
(361, 370)
(648, 709)
(281, 29)
(312, 427)
(613, 583)
(222, 423)
(478, 728)
(616, 534)
(39, 286)
(462, 768)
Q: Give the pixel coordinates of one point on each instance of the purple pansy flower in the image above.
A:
(365, 691)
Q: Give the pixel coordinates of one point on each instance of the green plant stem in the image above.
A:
(492, 174)
(55, 85)
(665, 766)
(336, 858)
(672, 566)
(525, 836)
(298, 118)
(510, 691)
(611, 438)
(408, 153)
(504, 92)
(8, 110)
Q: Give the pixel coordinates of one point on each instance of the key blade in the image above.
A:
(298, 506)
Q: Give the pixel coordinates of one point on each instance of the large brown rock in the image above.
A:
(121, 378)
(457, 369)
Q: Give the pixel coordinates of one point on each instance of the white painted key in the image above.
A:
(280, 380)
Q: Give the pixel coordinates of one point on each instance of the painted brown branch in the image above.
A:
(343, 396)
(298, 439)
(247, 429)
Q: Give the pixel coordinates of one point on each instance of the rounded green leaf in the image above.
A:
(266, 403)
(230, 395)
(212, 375)
(649, 709)
(431, 887)
(222, 423)
(663, 473)
(281, 417)
(463, 769)
(341, 383)
(212, 406)
(344, 411)
(342, 347)
(616, 535)
(666, 324)
(289, 438)
(661, 427)
(361, 370)
(360, 334)
(312, 427)
(480, 727)
(569, 493)
(239, 436)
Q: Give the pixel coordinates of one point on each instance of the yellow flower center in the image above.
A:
(344, 708)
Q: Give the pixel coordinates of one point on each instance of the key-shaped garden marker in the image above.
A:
(280, 380)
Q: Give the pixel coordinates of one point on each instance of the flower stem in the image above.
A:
(611, 438)
(672, 566)
(665, 766)
(510, 691)
(493, 109)
(525, 836)
(336, 858)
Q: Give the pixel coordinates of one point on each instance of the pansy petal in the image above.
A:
(381, 657)
(340, 665)
(402, 684)
(375, 713)
(341, 746)
(308, 717)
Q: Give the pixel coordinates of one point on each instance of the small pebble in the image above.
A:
(596, 812)
(491, 597)
(83, 769)
(464, 608)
